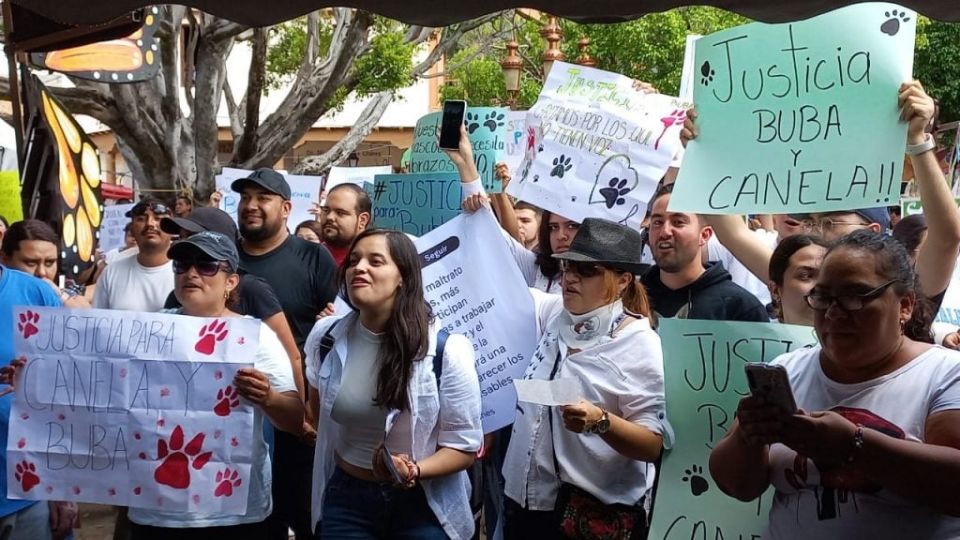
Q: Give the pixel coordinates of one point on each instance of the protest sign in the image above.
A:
(11, 206)
(596, 145)
(486, 128)
(111, 228)
(950, 307)
(358, 176)
(513, 156)
(703, 371)
(913, 205)
(475, 289)
(800, 117)
(131, 409)
(304, 192)
(415, 203)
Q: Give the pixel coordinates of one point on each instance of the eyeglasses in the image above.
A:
(204, 268)
(847, 302)
(141, 208)
(830, 225)
(806, 224)
(580, 268)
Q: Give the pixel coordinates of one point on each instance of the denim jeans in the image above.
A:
(31, 523)
(355, 509)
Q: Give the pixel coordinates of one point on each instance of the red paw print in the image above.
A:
(675, 118)
(28, 324)
(210, 335)
(27, 475)
(22, 442)
(226, 481)
(174, 471)
(227, 400)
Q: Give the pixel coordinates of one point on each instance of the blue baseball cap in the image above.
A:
(879, 215)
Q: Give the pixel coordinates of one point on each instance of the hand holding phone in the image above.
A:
(452, 119)
(772, 384)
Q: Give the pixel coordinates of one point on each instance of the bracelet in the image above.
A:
(857, 443)
(929, 143)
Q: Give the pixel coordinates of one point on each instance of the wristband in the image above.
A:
(916, 149)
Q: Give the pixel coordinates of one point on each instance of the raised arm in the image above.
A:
(938, 253)
(735, 235)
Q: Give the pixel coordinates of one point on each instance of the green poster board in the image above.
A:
(800, 117)
(703, 363)
(415, 203)
(11, 206)
(487, 129)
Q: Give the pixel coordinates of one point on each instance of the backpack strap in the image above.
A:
(442, 336)
(326, 343)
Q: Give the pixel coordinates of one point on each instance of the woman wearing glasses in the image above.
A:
(874, 450)
(575, 470)
(205, 277)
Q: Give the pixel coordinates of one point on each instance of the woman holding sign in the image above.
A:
(205, 266)
(398, 404)
(871, 447)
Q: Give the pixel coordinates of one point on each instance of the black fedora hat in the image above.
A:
(606, 243)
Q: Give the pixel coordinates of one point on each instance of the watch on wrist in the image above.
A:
(602, 425)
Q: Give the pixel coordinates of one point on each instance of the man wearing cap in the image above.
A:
(833, 225)
(141, 282)
(303, 276)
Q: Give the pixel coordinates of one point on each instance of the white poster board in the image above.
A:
(111, 228)
(357, 176)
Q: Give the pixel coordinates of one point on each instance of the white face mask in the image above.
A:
(586, 330)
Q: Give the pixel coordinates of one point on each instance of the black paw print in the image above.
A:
(698, 484)
(614, 192)
(561, 165)
(473, 122)
(707, 73)
(891, 26)
(540, 148)
(493, 120)
(536, 178)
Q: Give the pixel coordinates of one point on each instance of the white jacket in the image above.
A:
(447, 417)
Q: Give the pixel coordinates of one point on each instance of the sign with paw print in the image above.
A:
(132, 409)
(801, 116)
(597, 143)
(704, 381)
(487, 130)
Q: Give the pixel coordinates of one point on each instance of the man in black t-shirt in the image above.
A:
(304, 278)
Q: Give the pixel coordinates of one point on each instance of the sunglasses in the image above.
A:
(204, 268)
(141, 208)
(580, 268)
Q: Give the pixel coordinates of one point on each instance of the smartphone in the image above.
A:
(772, 384)
(453, 111)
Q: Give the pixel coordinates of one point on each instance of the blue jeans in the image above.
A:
(355, 509)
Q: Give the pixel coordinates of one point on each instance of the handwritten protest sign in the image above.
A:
(415, 203)
(358, 176)
(304, 192)
(131, 409)
(11, 206)
(800, 117)
(596, 145)
(111, 228)
(703, 371)
(486, 127)
(475, 289)
(913, 205)
(516, 140)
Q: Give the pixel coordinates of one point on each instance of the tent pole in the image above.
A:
(14, 76)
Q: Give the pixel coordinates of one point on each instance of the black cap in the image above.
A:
(156, 205)
(202, 219)
(213, 245)
(606, 243)
(266, 178)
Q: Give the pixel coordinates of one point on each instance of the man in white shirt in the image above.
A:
(140, 283)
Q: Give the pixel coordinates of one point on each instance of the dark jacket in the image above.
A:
(713, 296)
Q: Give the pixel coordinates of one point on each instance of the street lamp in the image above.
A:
(553, 34)
(353, 160)
(585, 59)
(511, 66)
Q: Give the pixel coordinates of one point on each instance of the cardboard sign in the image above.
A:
(415, 203)
(784, 110)
(131, 409)
(703, 372)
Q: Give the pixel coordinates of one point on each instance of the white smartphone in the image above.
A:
(772, 384)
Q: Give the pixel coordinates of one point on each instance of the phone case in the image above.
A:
(771, 383)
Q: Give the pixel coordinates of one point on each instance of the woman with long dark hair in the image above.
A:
(389, 362)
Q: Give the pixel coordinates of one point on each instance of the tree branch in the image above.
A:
(246, 145)
(236, 126)
(448, 40)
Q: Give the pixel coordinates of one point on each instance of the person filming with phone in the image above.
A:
(871, 448)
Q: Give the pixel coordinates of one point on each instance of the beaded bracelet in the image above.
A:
(857, 443)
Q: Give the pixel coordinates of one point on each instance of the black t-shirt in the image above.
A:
(255, 297)
(304, 277)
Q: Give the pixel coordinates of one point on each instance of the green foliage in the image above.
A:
(387, 65)
(480, 82)
(937, 64)
(287, 47)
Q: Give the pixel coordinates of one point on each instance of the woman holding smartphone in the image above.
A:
(874, 451)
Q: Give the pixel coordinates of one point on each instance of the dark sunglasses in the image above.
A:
(204, 268)
(141, 208)
(581, 268)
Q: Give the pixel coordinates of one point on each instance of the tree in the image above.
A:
(937, 64)
(341, 51)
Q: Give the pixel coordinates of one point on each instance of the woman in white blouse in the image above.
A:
(389, 359)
